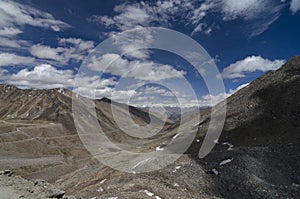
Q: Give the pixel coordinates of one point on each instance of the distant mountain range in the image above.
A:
(175, 113)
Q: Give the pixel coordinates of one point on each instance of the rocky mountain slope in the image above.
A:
(261, 137)
(268, 110)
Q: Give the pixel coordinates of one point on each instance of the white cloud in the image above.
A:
(14, 14)
(250, 64)
(259, 14)
(122, 96)
(11, 43)
(47, 52)
(42, 76)
(295, 6)
(200, 12)
(246, 9)
(8, 37)
(10, 31)
(78, 43)
(202, 27)
(93, 82)
(10, 59)
(159, 13)
(211, 100)
(71, 49)
(152, 90)
(145, 70)
(131, 17)
(105, 20)
(47, 76)
(232, 91)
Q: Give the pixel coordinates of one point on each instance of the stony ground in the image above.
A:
(13, 187)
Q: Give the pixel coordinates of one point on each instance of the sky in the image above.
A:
(50, 44)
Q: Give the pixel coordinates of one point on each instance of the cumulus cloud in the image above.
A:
(250, 64)
(295, 6)
(47, 76)
(141, 70)
(10, 59)
(70, 49)
(42, 76)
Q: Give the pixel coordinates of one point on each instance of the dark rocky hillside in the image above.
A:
(261, 137)
(268, 110)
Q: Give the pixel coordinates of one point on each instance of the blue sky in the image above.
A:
(43, 44)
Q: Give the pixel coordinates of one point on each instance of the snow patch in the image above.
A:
(159, 149)
(215, 171)
(295, 185)
(61, 91)
(176, 168)
(225, 161)
(100, 189)
(148, 193)
(216, 141)
(175, 136)
(102, 181)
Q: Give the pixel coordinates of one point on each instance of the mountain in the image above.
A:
(174, 113)
(37, 132)
(268, 110)
(52, 105)
(257, 155)
(261, 136)
(33, 104)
